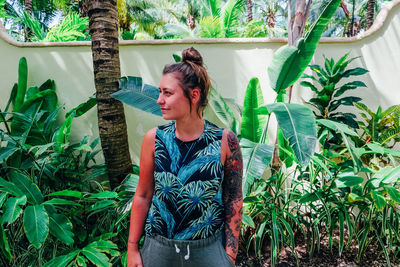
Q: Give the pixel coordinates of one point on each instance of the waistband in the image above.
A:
(198, 243)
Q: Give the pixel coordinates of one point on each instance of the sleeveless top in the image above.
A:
(187, 199)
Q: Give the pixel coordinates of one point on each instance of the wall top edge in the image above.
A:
(378, 24)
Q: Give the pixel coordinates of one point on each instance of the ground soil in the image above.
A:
(373, 257)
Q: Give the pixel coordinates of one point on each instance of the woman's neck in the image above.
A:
(189, 128)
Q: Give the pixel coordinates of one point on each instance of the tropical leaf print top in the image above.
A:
(187, 201)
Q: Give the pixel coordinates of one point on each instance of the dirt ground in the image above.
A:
(326, 257)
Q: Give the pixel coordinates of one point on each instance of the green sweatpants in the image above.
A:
(159, 251)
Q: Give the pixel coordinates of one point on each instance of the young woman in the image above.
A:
(189, 197)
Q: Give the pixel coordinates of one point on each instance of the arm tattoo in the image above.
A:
(232, 194)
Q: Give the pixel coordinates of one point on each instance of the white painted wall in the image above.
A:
(230, 62)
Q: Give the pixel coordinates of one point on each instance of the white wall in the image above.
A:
(231, 63)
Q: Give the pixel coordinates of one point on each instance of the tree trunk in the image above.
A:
(28, 6)
(27, 31)
(249, 7)
(297, 23)
(83, 8)
(370, 13)
(296, 27)
(191, 21)
(103, 24)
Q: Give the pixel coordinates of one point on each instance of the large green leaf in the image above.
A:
(36, 225)
(84, 107)
(284, 74)
(252, 122)
(297, 123)
(61, 227)
(133, 93)
(6, 186)
(105, 246)
(25, 184)
(67, 193)
(6, 152)
(221, 109)
(97, 258)
(22, 83)
(63, 260)
(348, 181)
(256, 157)
(344, 131)
(13, 209)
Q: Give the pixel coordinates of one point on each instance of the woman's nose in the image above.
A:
(160, 99)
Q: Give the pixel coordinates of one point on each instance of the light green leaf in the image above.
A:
(63, 260)
(97, 258)
(22, 84)
(105, 194)
(61, 227)
(133, 93)
(61, 201)
(105, 246)
(248, 221)
(379, 199)
(393, 193)
(256, 158)
(101, 204)
(67, 193)
(388, 175)
(284, 74)
(252, 122)
(297, 123)
(348, 181)
(222, 111)
(13, 209)
(36, 225)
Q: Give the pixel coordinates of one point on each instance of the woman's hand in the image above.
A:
(134, 258)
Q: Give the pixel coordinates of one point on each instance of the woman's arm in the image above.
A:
(232, 193)
(142, 199)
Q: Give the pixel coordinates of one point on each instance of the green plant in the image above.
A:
(327, 99)
(267, 217)
(382, 127)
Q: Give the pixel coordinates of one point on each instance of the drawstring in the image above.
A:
(188, 255)
(188, 251)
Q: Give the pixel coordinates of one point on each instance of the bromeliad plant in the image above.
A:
(329, 96)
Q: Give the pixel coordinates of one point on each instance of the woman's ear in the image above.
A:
(195, 95)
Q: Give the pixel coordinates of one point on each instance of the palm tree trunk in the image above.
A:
(296, 27)
(249, 7)
(28, 6)
(27, 31)
(103, 24)
(370, 13)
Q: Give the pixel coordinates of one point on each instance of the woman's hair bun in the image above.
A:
(192, 55)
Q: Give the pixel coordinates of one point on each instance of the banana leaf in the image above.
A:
(297, 123)
(221, 109)
(22, 83)
(256, 157)
(283, 74)
(133, 93)
(252, 122)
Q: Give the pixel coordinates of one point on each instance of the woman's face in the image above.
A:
(173, 103)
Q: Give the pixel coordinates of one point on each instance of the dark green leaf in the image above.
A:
(25, 184)
(36, 225)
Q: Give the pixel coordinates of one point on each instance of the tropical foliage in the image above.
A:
(150, 19)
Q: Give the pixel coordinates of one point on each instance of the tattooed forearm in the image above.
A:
(232, 195)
